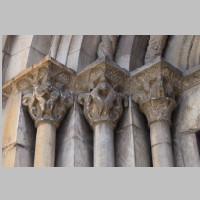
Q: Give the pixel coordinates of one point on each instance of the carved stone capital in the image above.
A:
(158, 109)
(153, 89)
(47, 89)
(102, 94)
(154, 80)
(25, 80)
(155, 47)
(47, 102)
(107, 46)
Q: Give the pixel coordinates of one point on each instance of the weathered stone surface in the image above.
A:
(155, 48)
(63, 48)
(42, 43)
(124, 147)
(132, 147)
(104, 145)
(45, 145)
(121, 136)
(190, 150)
(107, 46)
(178, 49)
(18, 134)
(178, 153)
(74, 141)
(187, 114)
(21, 42)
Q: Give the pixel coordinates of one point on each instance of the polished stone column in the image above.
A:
(45, 145)
(104, 145)
(158, 112)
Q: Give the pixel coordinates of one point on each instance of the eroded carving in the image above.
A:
(47, 102)
(107, 46)
(103, 103)
(158, 109)
(89, 77)
(158, 80)
(27, 78)
(155, 47)
(153, 89)
(188, 81)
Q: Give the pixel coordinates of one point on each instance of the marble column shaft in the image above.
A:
(161, 146)
(103, 145)
(45, 145)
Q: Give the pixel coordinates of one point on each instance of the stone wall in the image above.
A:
(118, 101)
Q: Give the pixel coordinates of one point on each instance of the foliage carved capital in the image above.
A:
(154, 82)
(102, 94)
(47, 89)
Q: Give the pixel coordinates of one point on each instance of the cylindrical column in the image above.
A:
(103, 145)
(190, 150)
(45, 145)
(158, 112)
(161, 144)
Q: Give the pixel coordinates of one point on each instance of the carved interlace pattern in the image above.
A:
(156, 46)
(47, 102)
(103, 103)
(107, 46)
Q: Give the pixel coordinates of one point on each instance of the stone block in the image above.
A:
(75, 44)
(21, 43)
(187, 114)
(17, 63)
(63, 49)
(190, 150)
(178, 153)
(42, 43)
(74, 141)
